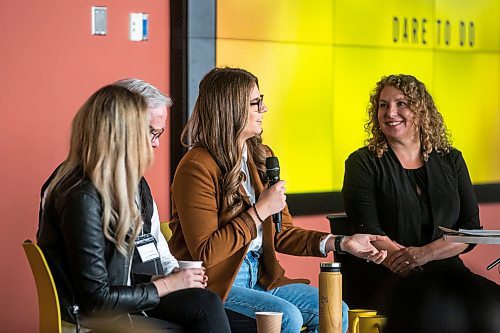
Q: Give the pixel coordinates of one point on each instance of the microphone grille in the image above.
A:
(272, 167)
(272, 162)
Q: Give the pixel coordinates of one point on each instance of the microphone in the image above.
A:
(273, 174)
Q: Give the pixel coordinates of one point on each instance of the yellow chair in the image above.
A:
(165, 230)
(48, 301)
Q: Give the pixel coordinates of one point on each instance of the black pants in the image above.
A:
(129, 324)
(195, 309)
(240, 323)
(188, 310)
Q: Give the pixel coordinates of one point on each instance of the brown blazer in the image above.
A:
(201, 231)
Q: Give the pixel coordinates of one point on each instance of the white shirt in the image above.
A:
(168, 261)
(256, 244)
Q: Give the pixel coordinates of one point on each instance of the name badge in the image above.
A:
(146, 247)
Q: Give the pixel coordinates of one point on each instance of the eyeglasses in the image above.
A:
(259, 102)
(155, 133)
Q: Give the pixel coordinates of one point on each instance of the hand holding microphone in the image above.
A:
(273, 174)
(272, 200)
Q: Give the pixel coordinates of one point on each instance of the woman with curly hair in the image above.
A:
(404, 184)
(222, 206)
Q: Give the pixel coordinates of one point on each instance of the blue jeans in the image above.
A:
(298, 301)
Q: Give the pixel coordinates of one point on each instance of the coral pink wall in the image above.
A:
(49, 65)
(476, 260)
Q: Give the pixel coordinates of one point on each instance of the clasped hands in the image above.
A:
(406, 259)
(402, 260)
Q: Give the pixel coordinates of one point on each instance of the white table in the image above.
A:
(472, 239)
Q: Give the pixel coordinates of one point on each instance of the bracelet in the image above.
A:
(336, 244)
(166, 285)
(256, 213)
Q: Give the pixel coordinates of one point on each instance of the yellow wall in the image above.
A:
(317, 62)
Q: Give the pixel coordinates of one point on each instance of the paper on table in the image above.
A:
(474, 232)
(478, 232)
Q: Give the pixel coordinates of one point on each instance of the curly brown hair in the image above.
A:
(430, 123)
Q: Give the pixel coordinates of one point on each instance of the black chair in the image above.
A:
(339, 224)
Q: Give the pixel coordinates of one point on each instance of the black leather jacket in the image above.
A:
(88, 269)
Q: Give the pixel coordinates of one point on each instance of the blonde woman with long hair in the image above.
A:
(96, 223)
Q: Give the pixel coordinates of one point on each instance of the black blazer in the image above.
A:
(379, 198)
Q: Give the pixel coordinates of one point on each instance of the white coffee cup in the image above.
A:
(184, 264)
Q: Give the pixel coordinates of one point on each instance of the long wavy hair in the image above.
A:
(428, 120)
(220, 115)
(110, 144)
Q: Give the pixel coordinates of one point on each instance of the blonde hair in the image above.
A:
(220, 115)
(110, 144)
(431, 126)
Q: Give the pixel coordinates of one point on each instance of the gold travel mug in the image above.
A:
(330, 298)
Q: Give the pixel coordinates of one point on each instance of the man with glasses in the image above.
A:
(157, 105)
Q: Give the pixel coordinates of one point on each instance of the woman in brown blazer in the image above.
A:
(222, 206)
